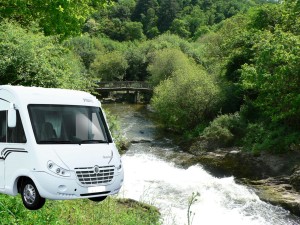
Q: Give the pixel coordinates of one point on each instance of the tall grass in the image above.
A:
(111, 211)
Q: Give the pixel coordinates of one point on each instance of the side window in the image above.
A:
(3, 126)
(16, 134)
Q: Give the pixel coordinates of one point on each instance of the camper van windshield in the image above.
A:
(60, 124)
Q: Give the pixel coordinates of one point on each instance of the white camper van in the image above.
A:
(55, 144)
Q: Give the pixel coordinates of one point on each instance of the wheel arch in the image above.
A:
(18, 183)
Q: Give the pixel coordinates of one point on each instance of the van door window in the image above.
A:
(11, 135)
(3, 126)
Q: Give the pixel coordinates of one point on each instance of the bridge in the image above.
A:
(132, 89)
(124, 86)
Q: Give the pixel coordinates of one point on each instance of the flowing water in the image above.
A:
(150, 177)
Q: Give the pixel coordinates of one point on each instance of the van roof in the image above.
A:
(39, 95)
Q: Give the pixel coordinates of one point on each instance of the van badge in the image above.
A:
(96, 169)
(87, 100)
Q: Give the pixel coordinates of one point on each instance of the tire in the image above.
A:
(98, 199)
(30, 195)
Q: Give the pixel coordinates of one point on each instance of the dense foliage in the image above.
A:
(225, 72)
(261, 66)
(186, 95)
(30, 58)
(54, 17)
(233, 61)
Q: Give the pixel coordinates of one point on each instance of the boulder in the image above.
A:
(234, 162)
(295, 179)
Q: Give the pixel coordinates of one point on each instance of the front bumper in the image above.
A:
(61, 188)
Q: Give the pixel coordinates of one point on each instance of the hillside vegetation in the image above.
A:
(225, 72)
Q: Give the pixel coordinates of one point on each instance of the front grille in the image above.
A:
(87, 175)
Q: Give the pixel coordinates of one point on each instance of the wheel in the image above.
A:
(98, 199)
(30, 195)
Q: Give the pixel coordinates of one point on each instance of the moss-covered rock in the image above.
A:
(234, 162)
(277, 191)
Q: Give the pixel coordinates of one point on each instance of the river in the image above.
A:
(151, 176)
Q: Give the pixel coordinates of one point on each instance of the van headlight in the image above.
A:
(58, 170)
(120, 166)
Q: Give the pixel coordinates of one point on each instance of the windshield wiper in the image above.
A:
(54, 142)
(92, 141)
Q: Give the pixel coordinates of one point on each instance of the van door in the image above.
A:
(12, 140)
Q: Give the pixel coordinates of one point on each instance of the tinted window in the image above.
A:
(11, 135)
(3, 126)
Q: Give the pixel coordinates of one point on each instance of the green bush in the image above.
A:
(114, 127)
(165, 62)
(188, 98)
(109, 66)
(224, 131)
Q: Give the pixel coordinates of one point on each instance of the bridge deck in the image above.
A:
(124, 86)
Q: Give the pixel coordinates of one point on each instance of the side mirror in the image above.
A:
(12, 116)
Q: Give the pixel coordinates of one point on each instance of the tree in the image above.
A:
(180, 28)
(109, 66)
(133, 31)
(54, 17)
(142, 7)
(274, 75)
(31, 59)
(86, 48)
(167, 13)
(187, 99)
(146, 12)
(136, 64)
(165, 63)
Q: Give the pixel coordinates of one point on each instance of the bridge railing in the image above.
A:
(124, 84)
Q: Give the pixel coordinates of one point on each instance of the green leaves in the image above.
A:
(30, 58)
(110, 66)
(187, 98)
(274, 74)
(62, 17)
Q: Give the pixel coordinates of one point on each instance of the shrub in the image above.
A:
(110, 66)
(165, 63)
(114, 126)
(188, 98)
(224, 131)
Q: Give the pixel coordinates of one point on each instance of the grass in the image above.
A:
(112, 211)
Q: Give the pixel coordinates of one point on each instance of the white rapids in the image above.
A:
(221, 201)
